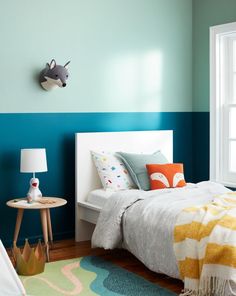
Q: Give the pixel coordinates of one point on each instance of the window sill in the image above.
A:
(226, 184)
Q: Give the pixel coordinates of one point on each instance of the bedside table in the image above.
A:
(21, 204)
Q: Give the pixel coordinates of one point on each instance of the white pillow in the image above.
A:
(112, 171)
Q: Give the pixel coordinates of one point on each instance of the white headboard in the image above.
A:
(87, 178)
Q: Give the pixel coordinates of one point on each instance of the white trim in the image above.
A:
(220, 37)
(227, 184)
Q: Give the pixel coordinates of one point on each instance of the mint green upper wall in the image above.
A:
(206, 13)
(126, 55)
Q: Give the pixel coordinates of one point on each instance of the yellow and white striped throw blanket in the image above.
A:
(205, 247)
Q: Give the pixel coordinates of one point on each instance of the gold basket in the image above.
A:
(31, 261)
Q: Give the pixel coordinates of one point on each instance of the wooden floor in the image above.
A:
(68, 249)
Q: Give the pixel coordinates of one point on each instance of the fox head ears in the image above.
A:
(66, 65)
(53, 64)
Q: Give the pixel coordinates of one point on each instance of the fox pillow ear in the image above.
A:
(52, 64)
(168, 175)
(66, 65)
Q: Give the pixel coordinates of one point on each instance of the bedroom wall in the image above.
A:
(206, 13)
(131, 68)
(125, 55)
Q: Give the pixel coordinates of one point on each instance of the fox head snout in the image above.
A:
(59, 74)
(54, 75)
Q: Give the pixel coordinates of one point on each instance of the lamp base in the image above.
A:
(34, 193)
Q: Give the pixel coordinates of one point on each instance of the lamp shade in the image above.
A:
(33, 160)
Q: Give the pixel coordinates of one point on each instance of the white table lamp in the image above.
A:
(33, 161)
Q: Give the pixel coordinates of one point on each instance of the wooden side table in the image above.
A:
(21, 204)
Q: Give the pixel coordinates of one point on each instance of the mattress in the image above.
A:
(99, 197)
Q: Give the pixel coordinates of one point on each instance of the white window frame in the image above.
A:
(219, 105)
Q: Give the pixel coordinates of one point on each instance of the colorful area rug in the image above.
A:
(89, 276)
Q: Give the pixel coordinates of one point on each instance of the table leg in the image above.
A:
(19, 217)
(43, 213)
(49, 226)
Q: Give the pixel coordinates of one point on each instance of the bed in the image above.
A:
(87, 179)
(143, 222)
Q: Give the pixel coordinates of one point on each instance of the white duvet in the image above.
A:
(143, 221)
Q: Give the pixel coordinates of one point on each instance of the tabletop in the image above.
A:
(21, 203)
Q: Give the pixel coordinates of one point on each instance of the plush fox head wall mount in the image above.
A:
(53, 75)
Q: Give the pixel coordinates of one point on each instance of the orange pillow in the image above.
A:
(168, 175)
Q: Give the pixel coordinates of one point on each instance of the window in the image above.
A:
(223, 104)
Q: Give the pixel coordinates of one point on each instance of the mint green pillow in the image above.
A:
(136, 165)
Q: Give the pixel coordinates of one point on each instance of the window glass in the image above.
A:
(232, 122)
(232, 157)
(234, 55)
(223, 104)
(234, 88)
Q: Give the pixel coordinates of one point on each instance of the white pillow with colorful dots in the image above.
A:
(112, 171)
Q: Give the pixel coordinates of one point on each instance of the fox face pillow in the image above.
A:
(168, 175)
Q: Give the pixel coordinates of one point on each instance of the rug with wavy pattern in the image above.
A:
(89, 276)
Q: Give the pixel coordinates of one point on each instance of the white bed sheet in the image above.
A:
(99, 197)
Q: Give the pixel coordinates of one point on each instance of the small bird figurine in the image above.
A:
(34, 192)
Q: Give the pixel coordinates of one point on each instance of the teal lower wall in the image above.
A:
(201, 145)
(56, 132)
